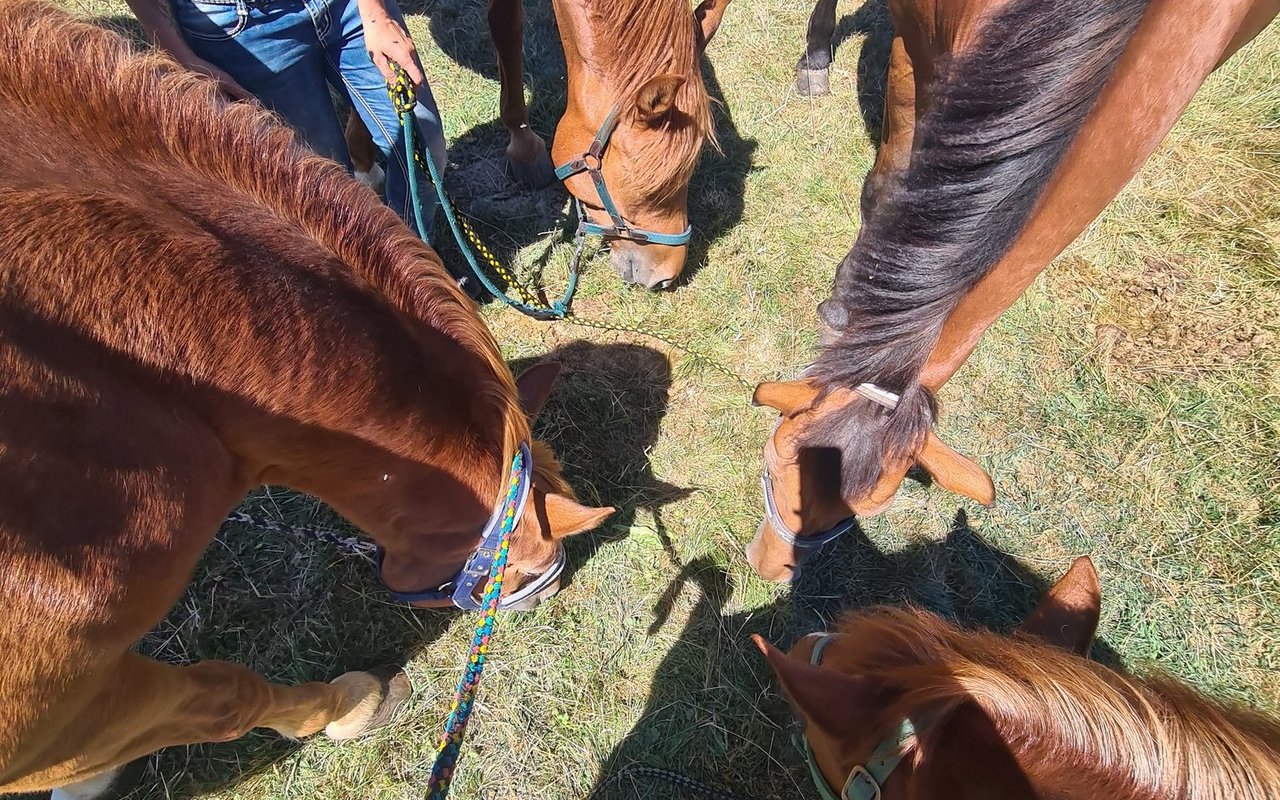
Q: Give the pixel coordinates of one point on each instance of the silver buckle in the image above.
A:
(869, 790)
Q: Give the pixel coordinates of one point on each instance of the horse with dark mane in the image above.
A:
(1008, 126)
(192, 304)
(638, 59)
(901, 704)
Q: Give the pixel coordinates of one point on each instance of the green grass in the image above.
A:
(1128, 407)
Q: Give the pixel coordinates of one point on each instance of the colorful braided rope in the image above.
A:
(464, 697)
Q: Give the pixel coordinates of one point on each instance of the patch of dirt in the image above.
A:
(1169, 323)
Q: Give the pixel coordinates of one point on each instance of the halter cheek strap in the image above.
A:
(865, 781)
(591, 163)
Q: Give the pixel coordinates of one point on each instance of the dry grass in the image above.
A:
(1127, 407)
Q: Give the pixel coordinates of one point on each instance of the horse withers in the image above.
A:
(901, 704)
(192, 304)
(633, 62)
(1008, 126)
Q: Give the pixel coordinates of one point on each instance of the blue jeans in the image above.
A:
(289, 52)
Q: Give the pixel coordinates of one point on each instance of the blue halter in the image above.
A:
(461, 588)
(590, 162)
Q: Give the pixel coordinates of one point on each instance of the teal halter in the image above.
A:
(865, 781)
(590, 162)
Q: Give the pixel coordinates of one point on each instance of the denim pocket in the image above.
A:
(211, 22)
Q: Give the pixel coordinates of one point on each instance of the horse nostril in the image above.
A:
(665, 283)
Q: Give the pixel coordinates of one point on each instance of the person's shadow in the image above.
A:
(714, 713)
(511, 216)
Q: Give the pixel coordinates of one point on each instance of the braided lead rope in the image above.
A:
(528, 303)
(689, 785)
(455, 728)
(526, 300)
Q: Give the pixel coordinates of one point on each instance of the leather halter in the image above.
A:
(591, 162)
(461, 588)
(869, 391)
(865, 781)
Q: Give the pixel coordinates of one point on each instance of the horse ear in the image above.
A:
(561, 516)
(657, 96)
(1067, 615)
(827, 700)
(534, 386)
(788, 398)
(955, 472)
(706, 18)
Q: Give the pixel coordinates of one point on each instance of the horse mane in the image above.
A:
(1068, 720)
(636, 40)
(1000, 116)
(143, 109)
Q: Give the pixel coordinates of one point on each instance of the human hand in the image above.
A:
(388, 43)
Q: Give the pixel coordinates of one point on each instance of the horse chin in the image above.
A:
(652, 266)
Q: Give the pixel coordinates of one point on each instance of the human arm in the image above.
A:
(388, 40)
(156, 17)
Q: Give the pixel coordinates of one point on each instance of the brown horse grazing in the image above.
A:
(640, 58)
(192, 304)
(901, 704)
(1009, 125)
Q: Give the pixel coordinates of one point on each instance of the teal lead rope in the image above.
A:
(469, 243)
(464, 697)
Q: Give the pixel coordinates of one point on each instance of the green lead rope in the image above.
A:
(468, 242)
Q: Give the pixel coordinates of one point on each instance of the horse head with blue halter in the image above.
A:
(831, 458)
(634, 126)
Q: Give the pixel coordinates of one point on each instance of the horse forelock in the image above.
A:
(1075, 726)
(140, 117)
(633, 41)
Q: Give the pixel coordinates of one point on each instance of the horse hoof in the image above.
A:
(377, 695)
(813, 82)
(536, 174)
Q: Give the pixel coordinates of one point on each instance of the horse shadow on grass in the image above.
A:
(714, 712)
(294, 609)
(511, 216)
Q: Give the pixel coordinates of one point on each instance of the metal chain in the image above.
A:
(351, 545)
(690, 785)
(574, 319)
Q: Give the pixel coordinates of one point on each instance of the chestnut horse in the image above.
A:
(193, 304)
(1008, 126)
(638, 58)
(901, 704)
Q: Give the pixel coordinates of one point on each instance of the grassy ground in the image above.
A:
(1127, 408)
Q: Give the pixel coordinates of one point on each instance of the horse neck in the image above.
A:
(1161, 53)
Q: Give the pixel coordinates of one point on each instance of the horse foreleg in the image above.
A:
(813, 70)
(140, 706)
(526, 152)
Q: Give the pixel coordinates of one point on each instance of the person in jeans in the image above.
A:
(287, 53)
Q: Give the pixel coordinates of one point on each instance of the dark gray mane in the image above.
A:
(1000, 117)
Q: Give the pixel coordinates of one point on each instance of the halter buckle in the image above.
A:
(861, 785)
